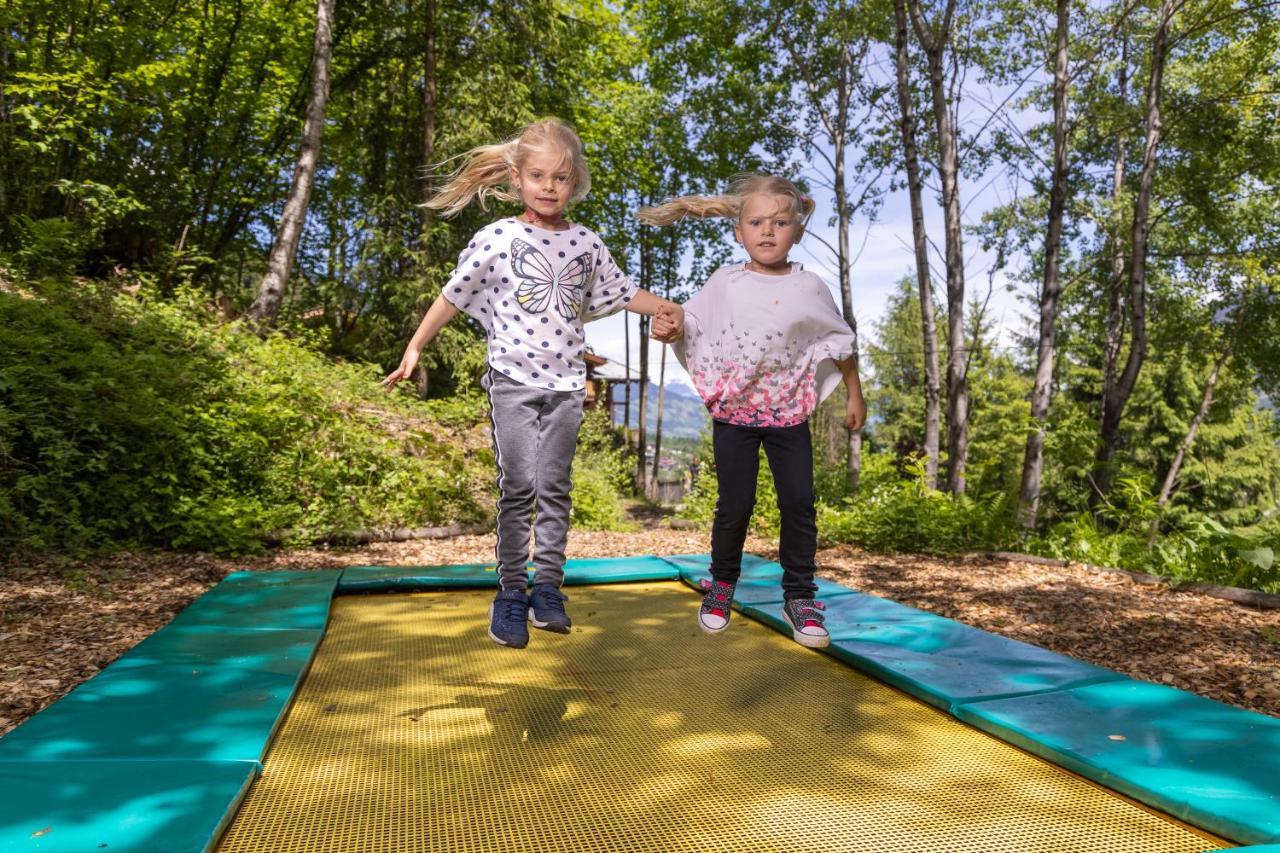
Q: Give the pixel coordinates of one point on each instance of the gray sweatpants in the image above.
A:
(535, 434)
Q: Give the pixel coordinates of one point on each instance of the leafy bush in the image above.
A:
(601, 474)
(1205, 551)
(140, 421)
(904, 516)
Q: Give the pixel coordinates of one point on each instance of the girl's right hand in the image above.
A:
(404, 371)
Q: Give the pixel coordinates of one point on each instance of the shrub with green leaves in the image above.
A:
(140, 421)
(601, 474)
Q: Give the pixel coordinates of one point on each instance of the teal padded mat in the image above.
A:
(1211, 764)
(759, 583)
(159, 711)
(151, 806)
(938, 660)
(286, 651)
(471, 575)
(265, 600)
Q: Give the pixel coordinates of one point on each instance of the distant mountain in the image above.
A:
(683, 414)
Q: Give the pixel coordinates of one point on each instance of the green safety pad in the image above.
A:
(158, 711)
(619, 570)
(387, 578)
(288, 650)
(1207, 763)
(583, 571)
(152, 806)
(938, 660)
(759, 583)
(268, 600)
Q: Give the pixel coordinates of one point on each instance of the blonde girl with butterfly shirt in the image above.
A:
(764, 343)
(531, 281)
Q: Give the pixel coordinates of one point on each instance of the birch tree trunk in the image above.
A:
(270, 295)
(1051, 288)
(646, 280)
(662, 399)
(915, 185)
(1114, 402)
(935, 45)
(1115, 284)
(626, 385)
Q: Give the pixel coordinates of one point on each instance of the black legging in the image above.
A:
(790, 454)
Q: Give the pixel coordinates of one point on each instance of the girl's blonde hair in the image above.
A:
(730, 204)
(485, 172)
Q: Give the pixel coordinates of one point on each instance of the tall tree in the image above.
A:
(1051, 287)
(1116, 396)
(937, 42)
(271, 290)
(920, 242)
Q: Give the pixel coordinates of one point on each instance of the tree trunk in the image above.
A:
(270, 296)
(1033, 460)
(935, 45)
(915, 185)
(1115, 284)
(1113, 404)
(626, 385)
(428, 115)
(657, 429)
(844, 262)
(646, 277)
(1175, 467)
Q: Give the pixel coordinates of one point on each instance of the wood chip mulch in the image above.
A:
(62, 621)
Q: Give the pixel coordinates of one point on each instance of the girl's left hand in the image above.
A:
(668, 323)
(855, 412)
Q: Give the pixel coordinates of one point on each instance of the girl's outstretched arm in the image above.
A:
(855, 411)
(438, 316)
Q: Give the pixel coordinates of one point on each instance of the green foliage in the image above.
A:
(903, 515)
(601, 474)
(1203, 550)
(128, 420)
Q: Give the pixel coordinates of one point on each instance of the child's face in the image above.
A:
(545, 183)
(768, 228)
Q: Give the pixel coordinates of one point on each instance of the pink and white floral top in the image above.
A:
(761, 349)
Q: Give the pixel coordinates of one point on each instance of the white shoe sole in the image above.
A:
(547, 626)
(707, 629)
(809, 641)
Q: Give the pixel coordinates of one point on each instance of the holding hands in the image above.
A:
(668, 323)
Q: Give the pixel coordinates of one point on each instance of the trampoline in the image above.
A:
(272, 715)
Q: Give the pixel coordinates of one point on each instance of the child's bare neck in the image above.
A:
(780, 268)
(532, 216)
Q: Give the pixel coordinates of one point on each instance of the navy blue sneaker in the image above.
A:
(507, 614)
(546, 609)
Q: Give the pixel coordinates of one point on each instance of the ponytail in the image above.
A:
(729, 205)
(485, 172)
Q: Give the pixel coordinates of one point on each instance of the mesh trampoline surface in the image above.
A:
(414, 732)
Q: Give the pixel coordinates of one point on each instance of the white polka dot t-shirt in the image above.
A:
(761, 349)
(532, 289)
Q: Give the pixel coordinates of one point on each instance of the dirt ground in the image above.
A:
(61, 621)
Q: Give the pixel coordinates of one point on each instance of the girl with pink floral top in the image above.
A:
(764, 343)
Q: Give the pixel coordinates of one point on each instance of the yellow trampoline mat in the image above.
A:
(414, 732)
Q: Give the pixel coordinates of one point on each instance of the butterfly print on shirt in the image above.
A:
(541, 286)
